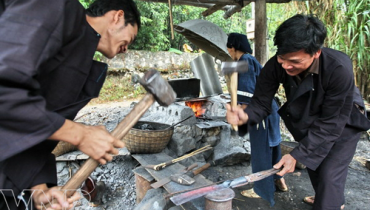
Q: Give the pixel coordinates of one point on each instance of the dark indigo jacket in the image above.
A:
(318, 110)
(247, 80)
(265, 136)
(46, 75)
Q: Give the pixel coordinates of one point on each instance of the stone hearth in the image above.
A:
(192, 134)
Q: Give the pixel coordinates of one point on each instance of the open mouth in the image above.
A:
(121, 49)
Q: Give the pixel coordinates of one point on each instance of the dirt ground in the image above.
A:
(357, 190)
(357, 186)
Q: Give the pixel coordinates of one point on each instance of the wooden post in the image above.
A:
(171, 20)
(260, 50)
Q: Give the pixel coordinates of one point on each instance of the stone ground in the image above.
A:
(357, 186)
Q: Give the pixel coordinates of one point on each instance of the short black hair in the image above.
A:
(100, 7)
(300, 32)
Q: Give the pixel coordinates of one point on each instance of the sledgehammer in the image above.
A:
(158, 89)
(231, 70)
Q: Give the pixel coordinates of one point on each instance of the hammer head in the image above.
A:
(159, 87)
(234, 66)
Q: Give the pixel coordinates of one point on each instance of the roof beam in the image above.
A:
(213, 2)
(213, 9)
(230, 6)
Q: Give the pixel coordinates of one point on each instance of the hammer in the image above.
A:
(183, 177)
(158, 89)
(187, 178)
(231, 70)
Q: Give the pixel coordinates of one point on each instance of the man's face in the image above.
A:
(118, 37)
(297, 62)
(232, 53)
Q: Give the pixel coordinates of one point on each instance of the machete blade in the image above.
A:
(188, 196)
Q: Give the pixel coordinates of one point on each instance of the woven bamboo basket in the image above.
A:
(143, 141)
(287, 147)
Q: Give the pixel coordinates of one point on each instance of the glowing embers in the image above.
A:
(198, 106)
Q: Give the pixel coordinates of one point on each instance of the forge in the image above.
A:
(123, 176)
(198, 106)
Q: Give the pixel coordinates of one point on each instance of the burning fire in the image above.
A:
(197, 107)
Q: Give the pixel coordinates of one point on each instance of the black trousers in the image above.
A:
(329, 179)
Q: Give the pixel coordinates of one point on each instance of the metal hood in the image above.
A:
(207, 36)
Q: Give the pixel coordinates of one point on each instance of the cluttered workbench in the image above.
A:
(147, 176)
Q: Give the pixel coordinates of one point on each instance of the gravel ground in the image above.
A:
(357, 190)
(120, 181)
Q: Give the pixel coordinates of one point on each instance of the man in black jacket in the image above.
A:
(324, 110)
(47, 74)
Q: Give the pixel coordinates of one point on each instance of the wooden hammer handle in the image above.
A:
(233, 93)
(133, 117)
(200, 169)
(119, 132)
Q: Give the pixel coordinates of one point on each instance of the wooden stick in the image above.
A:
(233, 94)
(232, 85)
(163, 165)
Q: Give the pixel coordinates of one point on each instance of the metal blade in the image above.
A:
(161, 182)
(193, 194)
(238, 181)
(253, 177)
(188, 196)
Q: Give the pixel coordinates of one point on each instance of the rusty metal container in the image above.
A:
(142, 186)
(220, 200)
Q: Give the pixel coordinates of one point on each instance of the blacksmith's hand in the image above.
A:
(94, 141)
(42, 196)
(236, 115)
(288, 162)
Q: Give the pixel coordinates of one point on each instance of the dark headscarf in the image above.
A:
(239, 42)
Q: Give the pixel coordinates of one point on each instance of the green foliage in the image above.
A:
(86, 3)
(98, 56)
(276, 14)
(154, 22)
(348, 24)
(155, 34)
(175, 51)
